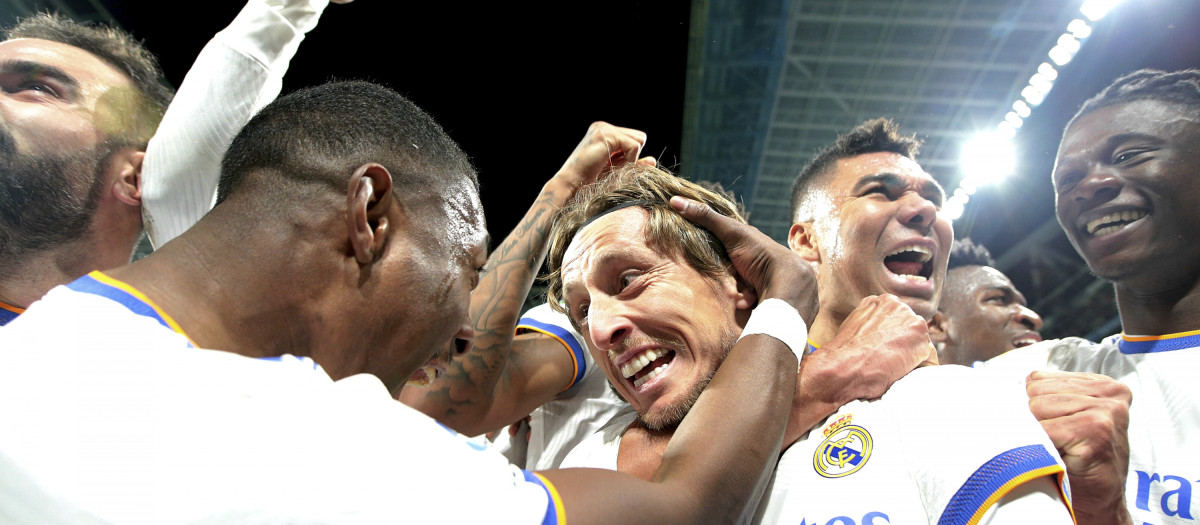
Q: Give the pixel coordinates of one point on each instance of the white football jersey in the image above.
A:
(559, 425)
(1164, 419)
(112, 415)
(943, 445)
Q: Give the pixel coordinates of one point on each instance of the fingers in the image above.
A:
(1042, 383)
(729, 231)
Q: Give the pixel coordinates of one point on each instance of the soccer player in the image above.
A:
(80, 181)
(546, 367)
(184, 387)
(1125, 186)
(659, 307)
(980, 314)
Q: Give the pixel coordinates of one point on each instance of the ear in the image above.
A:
(368, 200)
(939, 327)
(745, 296)
(803, 241)
(125, 174)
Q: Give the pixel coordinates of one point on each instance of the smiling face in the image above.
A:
(1125, 188)
(876, 227)
(984, 315)
(658, 327)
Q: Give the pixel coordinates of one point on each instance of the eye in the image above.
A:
(875, 189)
(627, 279)
(36, 86)
(581, 314)
(1000, 299)
(1124, 157)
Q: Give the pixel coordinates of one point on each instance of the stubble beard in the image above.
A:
(669, 417)
(46, 200)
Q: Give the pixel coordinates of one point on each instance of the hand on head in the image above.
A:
(767, 266)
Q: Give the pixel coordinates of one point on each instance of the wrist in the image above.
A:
(780, 320)
(561, 187)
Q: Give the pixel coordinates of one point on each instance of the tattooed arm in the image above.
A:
(504, 377)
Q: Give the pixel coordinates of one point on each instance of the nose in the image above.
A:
(1099, 185)
(464, 340)
(607, 325)
(918, 211)
(1028, 317)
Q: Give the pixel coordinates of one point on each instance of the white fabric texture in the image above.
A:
(559, 425)
(112, 417)
(237, 73)
(927, 436)
(1164, 419)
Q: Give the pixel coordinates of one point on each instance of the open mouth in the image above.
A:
(424, 376)
(1113, 222)
(647, 365)
(1027, 339)
(911, 262)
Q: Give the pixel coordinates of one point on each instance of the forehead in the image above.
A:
(971, 279)
(849, 171)
(1150, 117)
(465, 226)
(621, 230)
(88, 69)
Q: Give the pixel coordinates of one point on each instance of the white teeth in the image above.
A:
(1120, 218)
(431, 373)
(914, 277)
(637, 383)
(926, 253)
(634, 365)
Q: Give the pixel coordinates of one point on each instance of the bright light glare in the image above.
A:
(1006, 130)
(1033, 96)
(1079, 28)
(954, 208)
(1022, 108)
(1060, 56)
(1041, 83)
(1048, 71)
(987, 157)
(1096, 9)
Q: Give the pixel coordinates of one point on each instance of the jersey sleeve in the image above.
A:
(544, 320)
(991, 445)
(238, 72)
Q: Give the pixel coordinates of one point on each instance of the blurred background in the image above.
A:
(743, 92)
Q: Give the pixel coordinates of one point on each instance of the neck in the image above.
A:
(30, 276)
(253, 301)
(825, 326)
(1157, 312)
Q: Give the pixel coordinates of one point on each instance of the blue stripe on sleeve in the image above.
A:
(565, 337)
(994, 479)
(551, 516)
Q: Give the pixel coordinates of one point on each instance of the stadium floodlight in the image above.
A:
(987, 157)
(1041, 83)
(1060, 55)
(1033, 96)
(1013, 119)
(1022, 109)
(1096, 9)
(1048, 71)
(1079, 28)
(954, 208)
(1006, 129)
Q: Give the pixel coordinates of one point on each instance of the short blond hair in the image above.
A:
(649, 188)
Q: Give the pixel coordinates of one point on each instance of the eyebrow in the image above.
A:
(30, 68)
(926, 187)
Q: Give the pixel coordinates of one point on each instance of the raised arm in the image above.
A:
(504, 377)
(239, 71)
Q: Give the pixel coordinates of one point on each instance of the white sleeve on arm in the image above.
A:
(239, 71)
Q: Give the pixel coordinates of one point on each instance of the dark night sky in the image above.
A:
(516, 84)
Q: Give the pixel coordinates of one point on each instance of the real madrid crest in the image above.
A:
(846, 448)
